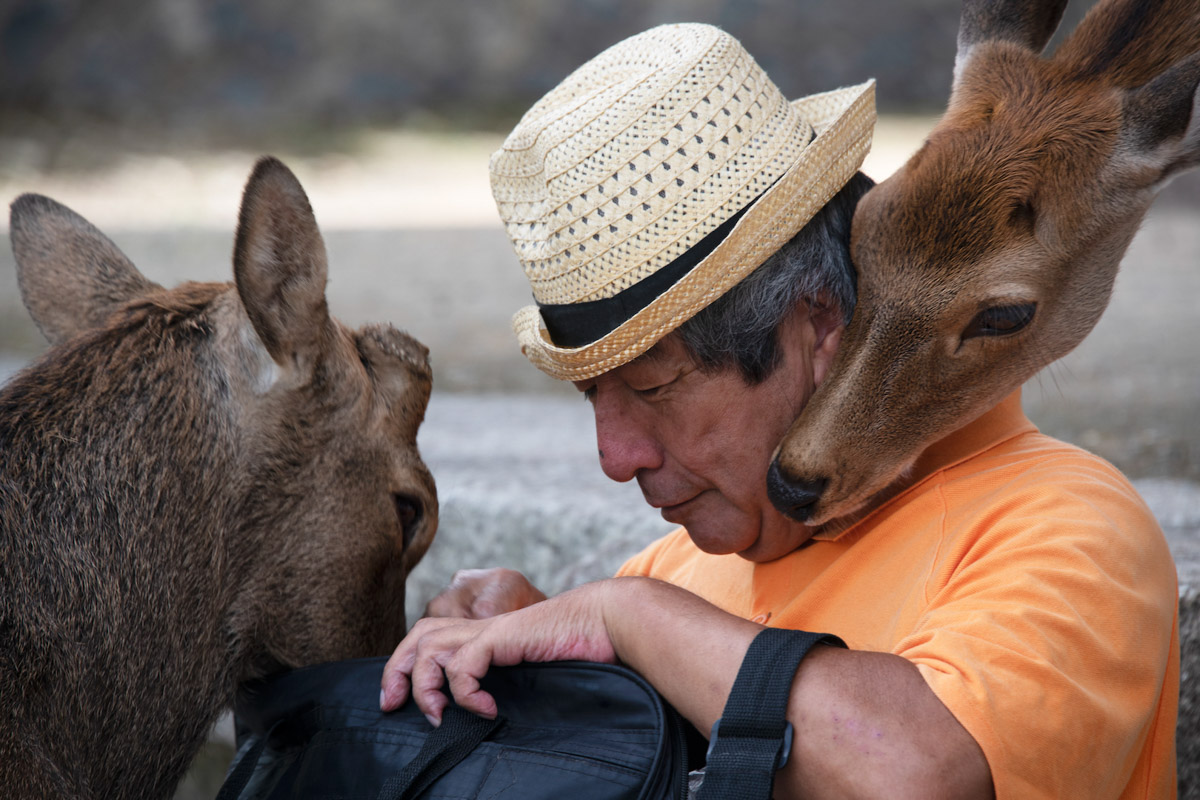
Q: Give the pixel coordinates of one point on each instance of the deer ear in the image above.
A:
(1029, 23)
(70, 274)
(400, 365)
(279, 265)
(1162, 119)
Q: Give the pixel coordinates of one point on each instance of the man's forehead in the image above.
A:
(667, 352)
(668, 349)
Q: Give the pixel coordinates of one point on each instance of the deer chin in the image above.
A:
(833, 517)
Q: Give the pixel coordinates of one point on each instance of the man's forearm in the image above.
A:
(867, 724)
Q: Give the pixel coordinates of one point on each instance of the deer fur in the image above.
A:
(198, 486)
(1020, 204)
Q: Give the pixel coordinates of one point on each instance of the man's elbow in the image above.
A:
(931, 770)
(951, 778)
(955, 772)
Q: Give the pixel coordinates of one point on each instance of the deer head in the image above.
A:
(291, 437)
(993, 251)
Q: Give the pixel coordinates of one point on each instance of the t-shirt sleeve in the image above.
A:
(1049, 632)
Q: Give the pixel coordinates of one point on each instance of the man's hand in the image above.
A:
(484, 593)
(568, 627)
(872, 726)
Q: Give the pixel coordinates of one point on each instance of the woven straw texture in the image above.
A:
(643, 151)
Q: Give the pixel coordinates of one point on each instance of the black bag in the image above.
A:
(596, 732)
(569, 730)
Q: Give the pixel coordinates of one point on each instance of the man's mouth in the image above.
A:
(672, 512)
(669, 497)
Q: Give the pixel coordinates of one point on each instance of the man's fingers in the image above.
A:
(484, 593)
(463, 672)
(393, 692)
(466, 692)
(432, 652)
(447, 604)
(393, 689)
(465, 648)
(427, 680)
(395, 684)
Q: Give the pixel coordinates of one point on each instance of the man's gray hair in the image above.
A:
(741, 328)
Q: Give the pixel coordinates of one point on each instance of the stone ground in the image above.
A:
(413, 240)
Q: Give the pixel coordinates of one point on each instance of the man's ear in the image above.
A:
(828, 327)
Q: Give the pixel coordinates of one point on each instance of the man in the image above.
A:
(1010, 613)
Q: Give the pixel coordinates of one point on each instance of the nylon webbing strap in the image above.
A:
(236, 780)
(451, 742)
(745, 749)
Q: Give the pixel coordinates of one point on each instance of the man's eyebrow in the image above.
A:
(656, 354)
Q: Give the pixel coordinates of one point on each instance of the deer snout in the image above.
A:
(793, 497)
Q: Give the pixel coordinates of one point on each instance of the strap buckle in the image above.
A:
(781, 757)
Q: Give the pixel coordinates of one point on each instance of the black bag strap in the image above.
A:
(753, 738)
(243, 770)
(449, 743)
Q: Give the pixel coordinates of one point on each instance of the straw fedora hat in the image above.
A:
(652, 180)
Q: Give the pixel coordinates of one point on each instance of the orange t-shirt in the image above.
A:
(1027, 581)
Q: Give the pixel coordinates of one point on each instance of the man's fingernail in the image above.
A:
(382, 699)
(432, 720)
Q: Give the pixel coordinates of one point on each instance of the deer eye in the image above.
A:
(408, 512)
(1000, 320)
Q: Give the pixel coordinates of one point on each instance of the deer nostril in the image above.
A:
(793, 498)
(408, 512)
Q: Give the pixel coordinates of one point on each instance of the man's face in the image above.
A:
(699, 443)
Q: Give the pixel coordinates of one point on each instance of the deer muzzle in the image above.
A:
(793, 497)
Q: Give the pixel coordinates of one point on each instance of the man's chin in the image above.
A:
(753, 548)
(716, 546)
(691, 509)
(714, 538)
(718, 530)
(766, 549)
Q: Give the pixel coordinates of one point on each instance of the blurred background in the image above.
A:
(146, 117)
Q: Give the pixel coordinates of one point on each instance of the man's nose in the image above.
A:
(626, 446)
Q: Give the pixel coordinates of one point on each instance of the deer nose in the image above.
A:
(793, 498)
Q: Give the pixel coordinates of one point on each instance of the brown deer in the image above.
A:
(197, 486)
(993, 251)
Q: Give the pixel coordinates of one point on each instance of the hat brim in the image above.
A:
(843, 121)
